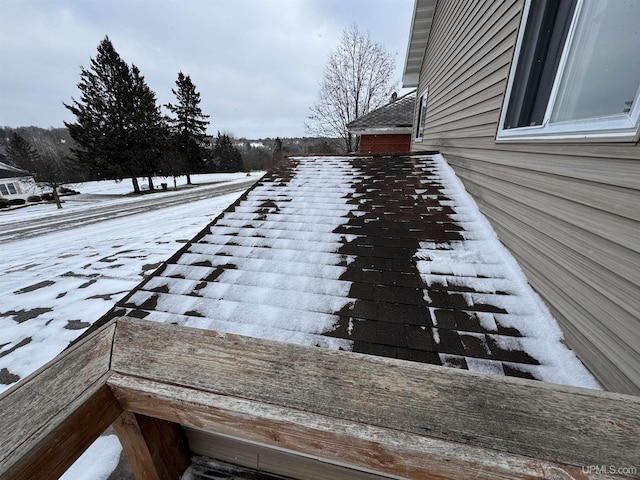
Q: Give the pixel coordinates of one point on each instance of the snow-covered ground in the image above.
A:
(97, 462)
(61, 275)
(55, 284)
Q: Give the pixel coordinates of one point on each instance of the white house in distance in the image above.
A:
(12, 182)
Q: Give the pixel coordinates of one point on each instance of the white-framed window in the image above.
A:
(422, 112)
(8, 189)
(577, 72)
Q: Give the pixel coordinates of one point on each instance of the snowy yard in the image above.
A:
(55, 284)
(59, 280)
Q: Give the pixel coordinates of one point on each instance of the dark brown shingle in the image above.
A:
(381, 256)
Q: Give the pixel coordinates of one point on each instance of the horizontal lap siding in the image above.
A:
(568, 212)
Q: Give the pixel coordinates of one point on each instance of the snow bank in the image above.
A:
(98, 462)
(482, 253)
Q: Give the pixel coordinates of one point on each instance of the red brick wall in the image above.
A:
(396, 143)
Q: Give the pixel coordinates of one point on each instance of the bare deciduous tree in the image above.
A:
(357, 80)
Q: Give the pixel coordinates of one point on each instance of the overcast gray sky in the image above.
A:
(256, 63)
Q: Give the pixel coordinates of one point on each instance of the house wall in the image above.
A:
(385, 143)
(7, 185)
(568, 212)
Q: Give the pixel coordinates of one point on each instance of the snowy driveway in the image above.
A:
(62, 270)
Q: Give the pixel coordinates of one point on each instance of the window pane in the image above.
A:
(12, 188)
(545, 33)
(422, 112)
(3, 189)
(602, 76)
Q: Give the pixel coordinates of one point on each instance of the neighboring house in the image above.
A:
(12, 182)
(536, 107)
(386, 129)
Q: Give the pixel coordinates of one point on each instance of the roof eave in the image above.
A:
(381, 130)
(423, 11)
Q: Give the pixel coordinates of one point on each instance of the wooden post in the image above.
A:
(155, 449)
(52, 416)
(50, 458)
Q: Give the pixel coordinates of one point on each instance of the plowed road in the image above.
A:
(110, 209)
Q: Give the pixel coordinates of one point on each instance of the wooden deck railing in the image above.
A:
(381, 415)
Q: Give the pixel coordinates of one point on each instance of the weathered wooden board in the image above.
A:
(37, 406)
(56, 452)
(382, 450)
(156, 449)
(542, 421)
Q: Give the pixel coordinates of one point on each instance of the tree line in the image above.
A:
(46, 153)
(119, 132)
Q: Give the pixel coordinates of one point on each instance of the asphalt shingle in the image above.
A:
(382, 256)
(394, 115)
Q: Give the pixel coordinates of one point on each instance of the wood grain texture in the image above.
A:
(554, 423)
(39, 404)
(62, 445)
(155, 448)
(328, 439)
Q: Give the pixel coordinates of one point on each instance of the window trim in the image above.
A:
(612, 129)
(422, 114)
(11, 188)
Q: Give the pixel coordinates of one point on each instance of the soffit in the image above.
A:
(419, 36)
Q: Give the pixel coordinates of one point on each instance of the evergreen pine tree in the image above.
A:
(100, 128)
(149, 131)
(118, 124)
(228, 158)
(188, 125)
(21, 152)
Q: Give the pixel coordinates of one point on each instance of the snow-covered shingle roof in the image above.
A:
(385, 256)
(9, 171)
(394, 117)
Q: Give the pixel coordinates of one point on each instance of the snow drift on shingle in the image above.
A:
(269, 268)
(524, 310)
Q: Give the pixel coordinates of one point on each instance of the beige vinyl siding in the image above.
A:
(567, 211)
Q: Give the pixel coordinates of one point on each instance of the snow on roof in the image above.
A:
(385, 256)
(394, 117)
(9, 171)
